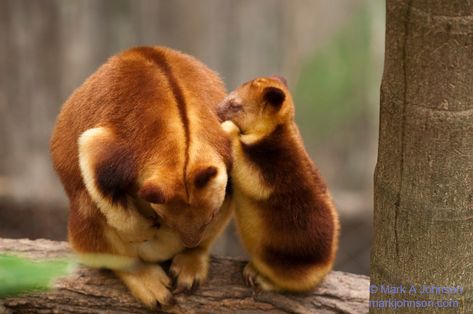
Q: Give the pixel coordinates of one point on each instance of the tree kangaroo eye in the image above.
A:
(235, 107)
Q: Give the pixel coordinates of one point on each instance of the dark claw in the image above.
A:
(251, 282)
(245, 279)
(188, 290)
(173, 282)
(158, 305)
(258, 289)
(172, 301)
(179, 289)
(195, 286)
(173, 276)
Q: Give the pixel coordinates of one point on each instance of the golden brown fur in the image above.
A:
(143, 160)
(285, 215)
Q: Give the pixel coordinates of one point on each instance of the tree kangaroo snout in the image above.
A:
(191, 212)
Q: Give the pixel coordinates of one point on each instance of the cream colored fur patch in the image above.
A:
(128, 222)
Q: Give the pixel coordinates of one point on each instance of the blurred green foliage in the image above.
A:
(18, 275)
(333, 84)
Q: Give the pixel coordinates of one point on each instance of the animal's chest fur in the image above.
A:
(251, 222)
(247, 178)
(164, 245)
(147, 243)
(250, 191)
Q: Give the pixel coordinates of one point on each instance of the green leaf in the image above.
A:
(19, 275)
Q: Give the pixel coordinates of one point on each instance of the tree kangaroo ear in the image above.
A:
(282, 79)
(108, 167)
(152, 193)
(274, 96)
(204, 175)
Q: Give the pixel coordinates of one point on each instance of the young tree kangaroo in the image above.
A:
(284, 212)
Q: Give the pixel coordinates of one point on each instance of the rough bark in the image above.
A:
(424, 177)
(98, 291)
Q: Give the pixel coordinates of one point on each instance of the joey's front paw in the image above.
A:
(150, 285)
(230, 129)
(189, 270)
(253, 278)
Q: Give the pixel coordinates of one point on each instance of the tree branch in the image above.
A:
(98, 291)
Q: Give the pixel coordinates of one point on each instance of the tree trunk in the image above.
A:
(423, 220)
(97, 291)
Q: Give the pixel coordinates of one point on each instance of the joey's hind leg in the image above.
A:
(150, 285)
(254, 278)
(189, 269)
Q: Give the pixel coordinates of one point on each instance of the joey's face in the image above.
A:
(188, 209)
(257, 106)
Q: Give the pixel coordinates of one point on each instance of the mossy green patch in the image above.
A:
(19, 275)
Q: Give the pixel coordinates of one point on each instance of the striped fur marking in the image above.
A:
(159, 58)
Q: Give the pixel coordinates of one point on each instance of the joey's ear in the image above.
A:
(152, 193)
(281, 79)
(204, 175)
(274, 96)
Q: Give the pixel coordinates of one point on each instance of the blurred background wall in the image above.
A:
(330, 51)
